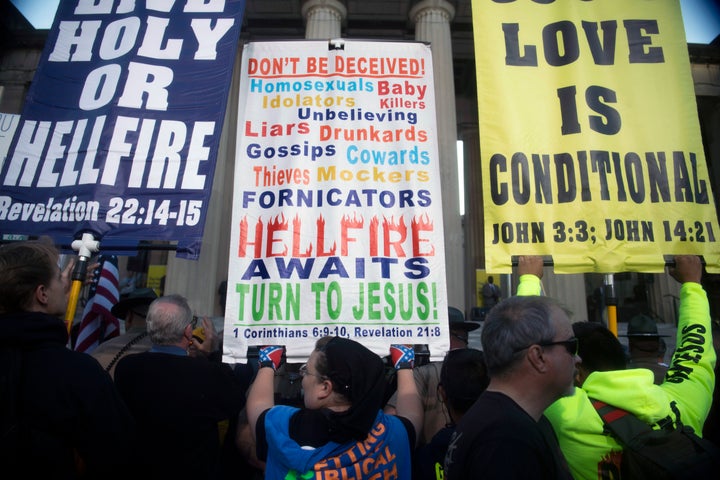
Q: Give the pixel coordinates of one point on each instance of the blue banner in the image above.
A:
(121, 126)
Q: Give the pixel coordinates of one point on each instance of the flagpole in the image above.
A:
(85, 248)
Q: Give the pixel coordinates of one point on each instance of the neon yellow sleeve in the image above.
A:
(529, 285)
(690, 380)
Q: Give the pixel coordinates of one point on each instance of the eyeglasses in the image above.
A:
(194, 321)
(304, 371)
(571, 345)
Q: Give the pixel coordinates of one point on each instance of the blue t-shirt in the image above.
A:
(386, 451)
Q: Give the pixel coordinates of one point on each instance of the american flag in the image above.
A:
(98, 324)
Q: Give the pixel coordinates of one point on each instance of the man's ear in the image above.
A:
(188, 332)
(536, 357)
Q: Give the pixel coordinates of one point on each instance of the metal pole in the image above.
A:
(507, 282)
(611, 303)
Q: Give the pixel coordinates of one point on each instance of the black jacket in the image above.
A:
(61, 414)
(186, 410)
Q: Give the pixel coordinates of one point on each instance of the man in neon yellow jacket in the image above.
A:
(689, 382)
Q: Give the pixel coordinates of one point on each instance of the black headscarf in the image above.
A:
(359, 374)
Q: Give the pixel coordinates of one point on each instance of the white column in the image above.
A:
(432, 24)
(198, 280)
(569, 289)
(323, 18)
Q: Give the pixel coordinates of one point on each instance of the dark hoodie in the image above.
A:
(61, 416)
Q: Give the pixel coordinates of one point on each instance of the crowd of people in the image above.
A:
(159, 401)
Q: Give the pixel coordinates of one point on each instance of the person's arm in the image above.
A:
(262, 391)
(409, 404)
(389, 407)
(261, 396)
(530, 271)
(690, 380)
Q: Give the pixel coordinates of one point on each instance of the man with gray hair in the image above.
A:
(530, 352)
(186, 408)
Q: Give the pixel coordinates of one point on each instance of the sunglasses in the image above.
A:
(571, 345)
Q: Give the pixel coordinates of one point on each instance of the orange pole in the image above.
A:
(612, 319)
(78, 279)
(72, 304)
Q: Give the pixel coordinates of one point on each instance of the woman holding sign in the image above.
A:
(341, 432)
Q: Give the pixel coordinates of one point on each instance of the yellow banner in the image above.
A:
(589, 133)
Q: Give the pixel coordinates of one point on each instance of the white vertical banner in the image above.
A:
(337, 224)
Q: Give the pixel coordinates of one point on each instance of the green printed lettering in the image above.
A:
(272, 301)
